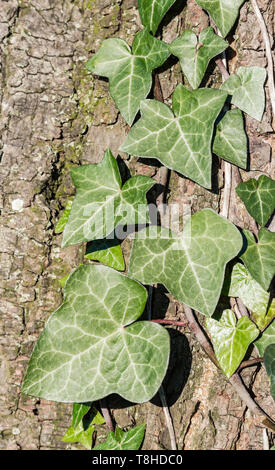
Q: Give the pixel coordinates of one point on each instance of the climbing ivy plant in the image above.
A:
(95, 344)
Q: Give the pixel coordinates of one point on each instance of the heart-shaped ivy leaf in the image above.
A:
(269, 361)
(129, 73)
(239, 283)
(120, 440)
(258, 197)
(181, 141)
(90, 346)
(259, 258)
(190, 266)
(223, 12)
(267, 338)
(231, 339)
(102, 203)
(195, 53)
(83, 431)
(107, 252)
(152, 12)
(247, 90)
(230, 142)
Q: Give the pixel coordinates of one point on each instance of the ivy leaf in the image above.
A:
(129, 72)
(79, 411)
(230, 142)
(107, 252)
(231, 339)
(191, 266)
(83, 432)
(152, 12)
(259, 258)
(102, 203)
(182, 142)
(269, 360)
(120, 440)
(223, 12)
(247, 90)
(258, 197)
(90, 346)
(267, 338)
(63, 219)
(195, 53)
(241, 284)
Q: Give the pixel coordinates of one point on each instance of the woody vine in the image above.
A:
(94, 345)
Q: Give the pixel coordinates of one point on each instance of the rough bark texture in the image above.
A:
(55, 115)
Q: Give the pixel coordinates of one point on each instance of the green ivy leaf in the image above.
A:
(223, 12)
(190, 266)
(247, 90)
(83, 431)
(267, 338)
(63, 219)
(241, 284)
(195, 53)
(259, 258)
(90, 346)
(129, 73)
(182, 142)
(120, 440)
(258, 197)
(230, 142)
(269, 360)
(152, 12)
(102, 203)
(107, 252)
(79, 411)
(231, 339)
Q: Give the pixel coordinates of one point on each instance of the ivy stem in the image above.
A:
(170, 322)
(106, 414)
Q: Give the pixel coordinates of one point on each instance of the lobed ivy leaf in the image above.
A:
(191, 266)
(64, 218)
(91, 346)
(247, 90)
(129, 72)
(241, 284)
(223, 12)
(259, 258)
(120, 440)
(152, 11)
(181, 140)
(267, 338)
(107, 252)
(258, 197)
(230, 142)
(82, 432)
(102, 203)
(231, 339)
(79, 411)
(269, 361)
(195, 53)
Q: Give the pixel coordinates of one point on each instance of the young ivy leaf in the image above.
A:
(64, 218)
(107, 252)
(267, 338)
(181, 140)
(152, 12)
(102, 203)
(247, 90)
(120, 440)
(79, 411)
(259, 258)
(82, 432)
(231, 339)
(195, 53)
(239, 283)
(258, 197)
(223, 12)
(190, 266)
(129, 73)
(269, 361)
(92, 346)
(230, 142)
